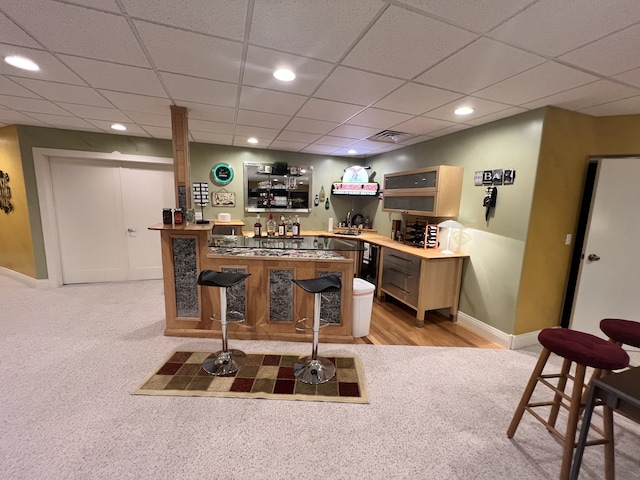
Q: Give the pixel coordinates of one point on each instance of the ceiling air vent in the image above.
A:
(390, 136)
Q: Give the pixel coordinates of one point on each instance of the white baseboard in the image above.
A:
(25, 279)
(512, 342)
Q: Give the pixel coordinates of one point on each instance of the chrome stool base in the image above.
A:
(314, 371)
(225, 362)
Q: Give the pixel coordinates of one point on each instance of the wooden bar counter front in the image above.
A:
(269, 301)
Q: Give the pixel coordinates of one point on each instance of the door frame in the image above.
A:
(48, 220)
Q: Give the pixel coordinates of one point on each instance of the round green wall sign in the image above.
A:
(222, 173)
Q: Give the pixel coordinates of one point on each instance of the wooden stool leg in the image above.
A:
(528, 391)
(572, 422)
(557, 398)
(609, 456)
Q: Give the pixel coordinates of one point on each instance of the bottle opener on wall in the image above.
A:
(490, 199)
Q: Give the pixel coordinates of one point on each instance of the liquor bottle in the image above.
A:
(295, 230)
(257, 227)
(321, 196)
(271, 226)
(282, 227)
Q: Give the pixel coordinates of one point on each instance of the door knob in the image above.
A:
(593, 257)
(131, 230)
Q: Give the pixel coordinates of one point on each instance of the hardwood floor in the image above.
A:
(393, 323)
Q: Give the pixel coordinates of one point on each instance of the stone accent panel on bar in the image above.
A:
(185, 277)
(236, 297)
(330, 303)
(280, 296)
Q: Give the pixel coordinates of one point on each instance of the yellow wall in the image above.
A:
(16, 247)
(618, 135)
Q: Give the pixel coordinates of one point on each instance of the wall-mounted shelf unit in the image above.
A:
(277, 190)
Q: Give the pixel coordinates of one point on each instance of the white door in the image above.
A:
(145, 191)
(609, 274)
(103, 209)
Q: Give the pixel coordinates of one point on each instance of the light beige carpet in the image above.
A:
(266, 375)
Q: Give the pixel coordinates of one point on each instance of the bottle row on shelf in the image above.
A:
(277, 229)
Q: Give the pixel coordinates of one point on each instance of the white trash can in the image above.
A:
(362, 305)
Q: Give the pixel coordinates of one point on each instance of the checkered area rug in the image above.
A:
(266, 375)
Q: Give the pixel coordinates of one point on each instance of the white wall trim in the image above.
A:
(512, 342)
(25, 279)
(42, 166)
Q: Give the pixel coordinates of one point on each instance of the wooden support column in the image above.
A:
(181, 165)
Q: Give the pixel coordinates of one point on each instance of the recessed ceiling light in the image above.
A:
(252, 140)
(119, 127)
(284, 74)
(22, 63)
(352, 152)
(464, 111)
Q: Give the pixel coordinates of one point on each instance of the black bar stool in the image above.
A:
(314, 369)
(225, 361)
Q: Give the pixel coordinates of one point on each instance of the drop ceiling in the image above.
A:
(362, 66)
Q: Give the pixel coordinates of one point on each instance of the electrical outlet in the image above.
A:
(567, 239)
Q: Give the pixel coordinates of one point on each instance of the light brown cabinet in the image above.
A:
(431, 191)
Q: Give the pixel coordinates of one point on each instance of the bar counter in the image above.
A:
(268, 298)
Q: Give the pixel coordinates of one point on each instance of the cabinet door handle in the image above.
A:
(400, 272)
(400, 288)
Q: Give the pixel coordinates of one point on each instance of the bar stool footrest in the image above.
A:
(306, 326)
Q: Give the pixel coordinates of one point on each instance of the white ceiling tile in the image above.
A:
(78, 31)
(60, 121)
(385, 49)
(108, 5)
(96, 113)
(311, 28)
(602, 91)
(191, 54)
(289, 136)
(479, 65)
(447, 130)
(288, 146)
(60, 92)
(414, 140)
(260, 133)
(51, 69)
(261, 119)
(632, 77)
(223, 18)
(509, 112)
(200, 90)
(213, 127)
(416, 99)
(541, 81)
(481, 106)
(377, 118)
(132, 128)
(201, 111)
(111, 76)
(628, 106)
(346, 151)
(12, 34)
(138, 103)
(477, 16)
(158, 132)
(368, 145)
(150, 119)
(552, 27)
(614, 54)
(282, 103)
(217, 138)
(298, 124)
(354, 86)
(328, 110)
(319, 149)
(354, 131)
(422, 125)
(32, 105)
(10, 117)
(261, 63)
(11, 88)
(332, 141)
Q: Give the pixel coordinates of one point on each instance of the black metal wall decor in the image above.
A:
(5, 193)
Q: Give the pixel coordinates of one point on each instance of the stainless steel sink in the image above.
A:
(352, 234)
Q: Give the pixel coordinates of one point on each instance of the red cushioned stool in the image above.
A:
(585, 350)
